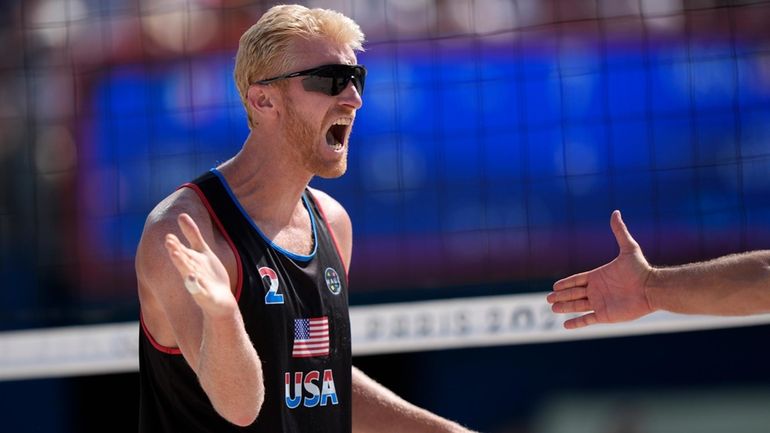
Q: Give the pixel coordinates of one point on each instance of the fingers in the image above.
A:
(578, 306)
(572, 294)
(191, 232)
(581, 322)
(179, 255)
(576, 280)
(626, 242)
(185, 264)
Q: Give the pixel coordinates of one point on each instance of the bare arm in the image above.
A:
(737, 284)
(375, 408)
(628, 287)
(200, 315)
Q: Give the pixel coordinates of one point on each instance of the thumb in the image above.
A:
(626, 242)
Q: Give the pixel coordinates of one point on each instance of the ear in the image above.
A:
(262, 99)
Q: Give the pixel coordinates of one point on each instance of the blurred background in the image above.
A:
(495, 139)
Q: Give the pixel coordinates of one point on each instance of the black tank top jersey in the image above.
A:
(295, 310)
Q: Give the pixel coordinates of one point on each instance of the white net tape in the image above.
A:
(376, 329)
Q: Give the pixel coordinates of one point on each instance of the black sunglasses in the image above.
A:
(327, 79)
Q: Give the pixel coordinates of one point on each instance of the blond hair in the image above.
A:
(264, 52)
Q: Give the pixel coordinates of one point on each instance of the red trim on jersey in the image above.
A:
(160, 347)
(215, 218)
(331, 232)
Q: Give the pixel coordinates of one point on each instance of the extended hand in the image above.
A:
(611, 293)
(204, 275)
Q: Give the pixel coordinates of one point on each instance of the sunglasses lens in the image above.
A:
(321, 84)
(359, 76)
(332, 80)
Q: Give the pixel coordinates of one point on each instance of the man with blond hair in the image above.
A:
(243, 272)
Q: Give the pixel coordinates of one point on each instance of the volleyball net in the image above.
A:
(495, 139)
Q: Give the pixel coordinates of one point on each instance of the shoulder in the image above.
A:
(164, 215)
(339, 222)
(162, 297)
(161, 221)
(333, 211)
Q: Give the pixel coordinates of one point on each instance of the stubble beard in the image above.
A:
(302, 138)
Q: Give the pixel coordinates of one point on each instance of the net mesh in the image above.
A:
(495, 139)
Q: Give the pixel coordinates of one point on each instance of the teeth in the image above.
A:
(332, 139)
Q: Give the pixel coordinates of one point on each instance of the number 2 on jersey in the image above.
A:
(272, 296)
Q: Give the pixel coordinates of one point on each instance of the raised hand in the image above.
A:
(204, 275)
(614, 292)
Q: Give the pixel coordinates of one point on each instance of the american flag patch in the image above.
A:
(311, 337)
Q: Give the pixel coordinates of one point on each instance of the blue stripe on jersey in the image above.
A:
(291, 255)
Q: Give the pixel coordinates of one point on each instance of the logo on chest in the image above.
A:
(333, 282)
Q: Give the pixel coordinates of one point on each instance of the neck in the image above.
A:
(268, 185)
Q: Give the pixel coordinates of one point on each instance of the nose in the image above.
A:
(351, 97)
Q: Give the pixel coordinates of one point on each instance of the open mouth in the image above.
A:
(337, 135)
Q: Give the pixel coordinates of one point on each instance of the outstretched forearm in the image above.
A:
(377, 409)
(737, 284)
